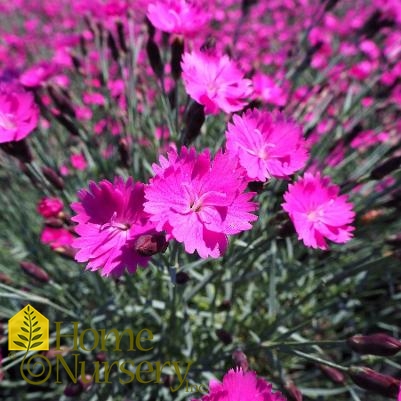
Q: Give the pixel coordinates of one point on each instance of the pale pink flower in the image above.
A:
(198, 202)
(215, 82)
(183, 17)
(267, 90)
(19, 114)
(238, 385)
(318, 211)
(110, 219)
(50, 207)
(267, 145)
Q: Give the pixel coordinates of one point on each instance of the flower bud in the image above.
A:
(121, 36)
(53, 352)
(66, 251)
(35, 271)
(224, 336)
(380, 344)
(371, 380)
(386, 168)
(150, 244)
(333, 374)
(54, 222)
(293, 392)
(111, 43)
(5, 279)
(53, 177)
(182, 278)
(18, 149)
(67, 124)
(177, 50)
(194, 119)
(240, 360)
(73, 389)
(154, 58)
(123, 150)
(224, 306)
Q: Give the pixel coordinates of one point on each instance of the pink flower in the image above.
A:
(198, 202)
(215, 82)
(78, 161)
(267, 145)
(50, 207)
(318, 212)
(56, 237)
(18, 113)
(243, 386)
(182, 17)
(110, 219)
(267, 90)
(38, 74)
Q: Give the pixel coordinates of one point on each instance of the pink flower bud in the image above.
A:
(50, 207)
(333, 374)
(240, 360)
(150, 244)
(376, 382)
(35, 271)
(293, 391)
(375, 344)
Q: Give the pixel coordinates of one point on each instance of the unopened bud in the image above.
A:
(224, 336)
(240, 360)
(177, 50)
(386, 168)
(53, 177)
(380, 344)
(62, 102)
(194, 119)
(73, 389)
(182, 278)
(372, 215)
(54, 222)
(18, 149)
(35, 271)
(225, 305)
(333, 374)
(53, 352)
(121, 36)
(123, 150)
(5, 279)
(150, 244)
(111, 43)
(293, 392)
(154, 58)
(66, 251)
(371, 380)
(66, 123)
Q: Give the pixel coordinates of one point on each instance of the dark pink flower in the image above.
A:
(184, 17)
(267, 145)
(241, 386)
(267, 90)
(50, 207)
(215, 82)
(318, 211)
(37, 74)
(56, 237)
(110, 219)
(198, 202)
(18, 113)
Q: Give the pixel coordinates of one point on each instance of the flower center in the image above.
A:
(115, 224)
(315, 215)
(7, 121)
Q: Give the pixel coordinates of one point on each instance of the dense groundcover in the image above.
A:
(202, 198)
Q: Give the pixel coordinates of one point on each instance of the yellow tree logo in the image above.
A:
(28, 330)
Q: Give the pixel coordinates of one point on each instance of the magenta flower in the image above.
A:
(318, 212)
(215, 82)
(198, 202)
(18, 113)
(182, 17)
(110, 219)
(56, 237)
(267, 145)
(50, 207)
(241, 386)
